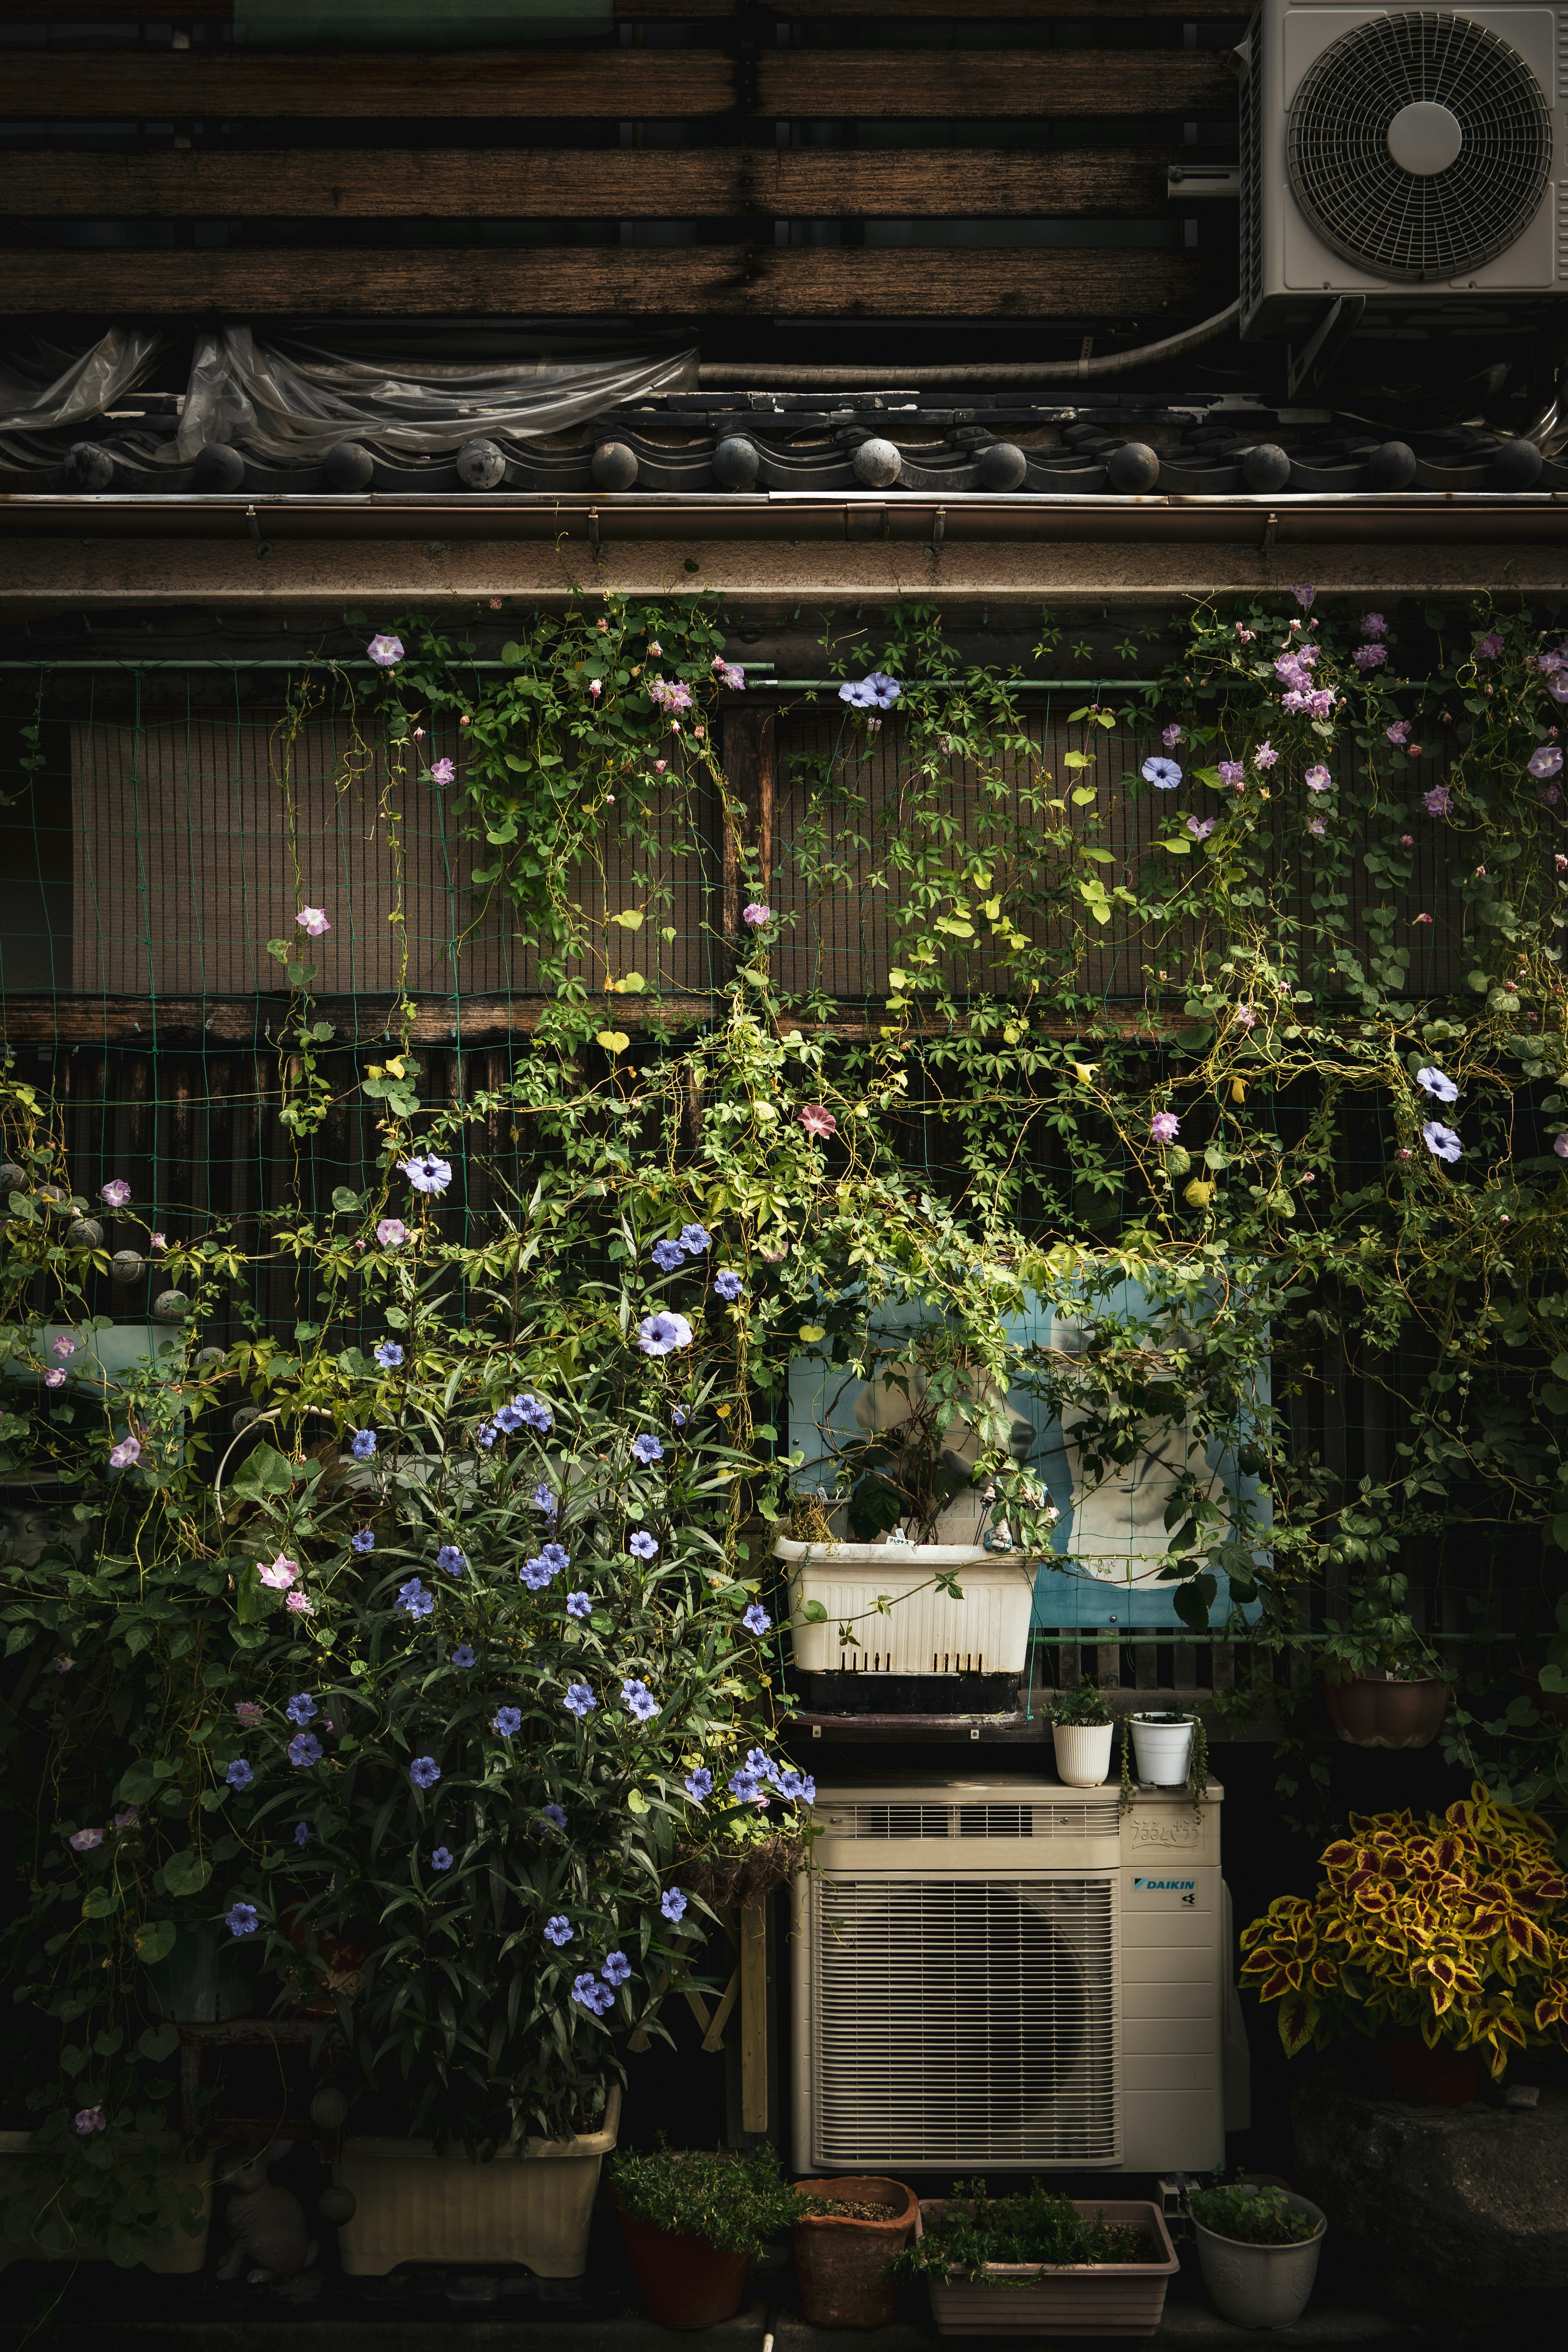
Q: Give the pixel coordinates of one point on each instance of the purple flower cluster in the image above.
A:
(412, 1599)
(550, 1562)
(669, 694)
(592, 1994)
(875, 691)
(1370, 657)
(640, 1699)
(453, 1560)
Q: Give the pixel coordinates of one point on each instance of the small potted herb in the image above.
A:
(1259, 2246)
(694, 2221)
(1081, 1727)
(844, 2241)
(1038, 2264)
(1381, 1682)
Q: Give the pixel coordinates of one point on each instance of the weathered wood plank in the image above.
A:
(1088, 284)
(1156, 11)
(601, 182)
(262, 85)
(973, 83)
(625, 12)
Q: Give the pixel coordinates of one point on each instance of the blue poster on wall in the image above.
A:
(1110, 1540)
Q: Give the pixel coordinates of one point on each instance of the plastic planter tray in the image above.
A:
(1079, 2299)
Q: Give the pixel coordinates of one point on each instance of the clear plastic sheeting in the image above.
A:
(44, 389)
(291, 403)
(413, 24)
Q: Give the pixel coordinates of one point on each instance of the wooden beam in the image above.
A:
(1091, 284)
(592, 183)
(1158, 11)
(942, 84)
(625, 12)
(267, 85)
(755, 2018)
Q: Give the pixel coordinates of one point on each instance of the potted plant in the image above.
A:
(1380, 1683)
(1163, 1747)
(1081, 1729)
(845, 2238)
(694, 2222)
(1038, 2264)
(1259, 2246)
(1446, 1938)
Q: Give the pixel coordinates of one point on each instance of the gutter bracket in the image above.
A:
(263, 547)
(1269, 527)
(594, 532)
(938, 532)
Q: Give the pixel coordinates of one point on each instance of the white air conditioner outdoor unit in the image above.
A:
(1409, 159)
(1004, 1975)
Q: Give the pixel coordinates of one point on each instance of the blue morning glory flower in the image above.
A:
(241, 1920)
(757, 1761)
(579, 1604)
(362, 1541)
(536, 1573)
(667, 1255)
(509, 1420)
(239, 1774)
(453, 1560)
(677, 1418)
(1435, 1083)
(425, 1771)
(661, 1334)
(647, 1449)
(695, 1239)
(426, 1173)
(302, 1834)
(642, 1544)
(486, 1433)
(389, 1354)
(672, 1903)
(756, 1619)
(698, 1785)
(363, 1444)
(1441, 1141)
(441, 1859)
(300, 1708)
(508, 1720)
(463, 1655)
(617, 1968)
(593, 1994)
(640, 1699)
(556, 1813)
(305, 1749)
(535, 1412)
(727, 1284)
(555, 1558)
(579, 1699)
(743, 1785)
(558, 1931)
(1164, 774)
(412, 1598)
(544, 1500)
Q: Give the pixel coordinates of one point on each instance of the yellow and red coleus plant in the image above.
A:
(1455, 1927)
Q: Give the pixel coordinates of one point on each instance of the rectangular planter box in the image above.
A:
(532, 2206)
(926, 1633)
(181, 2254)
(1079, 2299)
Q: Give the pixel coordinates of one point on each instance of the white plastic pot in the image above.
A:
(925, 1631)
(1083, 1753)
(1261, 2286)
(1162, 1751)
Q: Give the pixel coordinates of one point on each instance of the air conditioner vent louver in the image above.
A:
(966, 2021)
(1445, 217)
(1093, 1819)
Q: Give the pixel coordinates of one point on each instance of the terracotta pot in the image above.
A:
(841, 2262)
(1374, 1711)
(685, 2282)
(1430, 2078)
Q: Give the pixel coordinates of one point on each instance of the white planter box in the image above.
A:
(181, 2254)
(1074, 2299)
(530, 2206)
(1083, 1753)
(1162, 1753)
(925, 1631)
(1261, 2286)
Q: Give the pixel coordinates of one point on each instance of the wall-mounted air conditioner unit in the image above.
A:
(1411, 160)
(1006, 1975)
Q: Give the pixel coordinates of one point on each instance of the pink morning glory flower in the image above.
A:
(127, 1452)
(817, 1120)
(312, 921)
(442, 772)
(117, 1192)
(65, 1349)
(55, 1379)
(392, 1233)
(1317, 779)
(281, 1575)
(758, 915)
(1164, 1126)
(386, 652)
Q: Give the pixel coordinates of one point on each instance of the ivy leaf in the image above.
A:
(154, 1940)
(186, 1873)
(630, 919)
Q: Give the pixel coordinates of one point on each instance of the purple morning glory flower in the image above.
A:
(667, 1255)
(758, 1761)
(508, 1721)
(556, 1813)
(643, 1544)
(301, 1708)
(659, 1335)
(1441, 1141)
(744, 1786)
(558, 1930)
(556, 1557)
(1164, 774)
(241, 1920)
(305, 1749)
(699, 1784)
(593, 1994)
(672, 1903)
(453, 1560)
(756, 1619)
(441, 1859)
(727, 1284)
(640, 1699)
(617, 1968)
(363, 1541)
(536, 1573)
(302, 1834)
(386, 652)
(544, 1500)
(1434, 1082)
(1546, 761)
(239, 1774)
(647, 1449)
(389, 1354)
(426, 1173)
(485, 1432)
(414, 1599)
(442, 772)
(1370, 657)
(579, 1700)
(1163, 1127)
(579, 1604)
(1232, 771)
(1438, 800)
(1200, 827)
(695, 1239)
(509, 1420)
(463, 1655)
(425, 1771)
(363, 1444)
(799, 1787)
(1264, 755)
(536, 1414)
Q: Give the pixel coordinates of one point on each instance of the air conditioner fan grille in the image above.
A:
(1398, 224)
